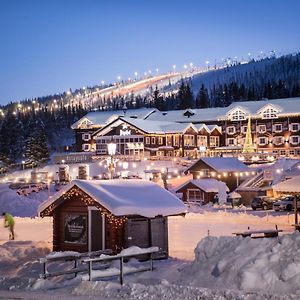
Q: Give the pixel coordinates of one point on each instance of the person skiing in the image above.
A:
(9, 223)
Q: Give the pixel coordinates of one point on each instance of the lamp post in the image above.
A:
(111, 149)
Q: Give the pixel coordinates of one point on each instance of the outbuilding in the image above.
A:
(203, 190)
(90, 215)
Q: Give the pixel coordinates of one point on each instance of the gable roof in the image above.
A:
(125, 197)
(101, 118)
(208, 185)
(222, 164)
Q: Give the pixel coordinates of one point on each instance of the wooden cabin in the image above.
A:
(227, 169)
(201, 191)
(91, 215)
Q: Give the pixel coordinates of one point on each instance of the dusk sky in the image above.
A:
(48, 47)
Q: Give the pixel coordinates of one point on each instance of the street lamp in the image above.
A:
(23, 164)
(111, 149)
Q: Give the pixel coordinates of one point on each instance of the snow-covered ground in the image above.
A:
(240, 268)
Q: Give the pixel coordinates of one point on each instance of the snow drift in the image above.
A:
(271, 265)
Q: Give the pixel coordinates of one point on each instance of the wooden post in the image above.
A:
(296, 210)
(75, 266)
(90, 271)
(121, 270)
(151, 262)
(44, 269)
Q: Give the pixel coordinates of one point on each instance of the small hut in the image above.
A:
(91, 215)
(202, 191)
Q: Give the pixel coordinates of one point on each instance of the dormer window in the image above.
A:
(269, 113)
(86, 124)
(236, 114)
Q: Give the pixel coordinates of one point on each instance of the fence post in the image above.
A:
(151, 262)
(121, 270)
(44, 269)
(90, 271)
(75, 266)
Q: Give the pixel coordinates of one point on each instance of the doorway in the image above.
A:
(96, 224)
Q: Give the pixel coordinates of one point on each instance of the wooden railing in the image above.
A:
(121, 257)
(76, 258)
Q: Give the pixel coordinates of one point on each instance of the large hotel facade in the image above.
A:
(275, 130)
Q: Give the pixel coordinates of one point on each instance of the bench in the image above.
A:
(67, 257)
(269, 233)
(92, 274)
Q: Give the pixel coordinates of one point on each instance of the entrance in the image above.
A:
(96, 229)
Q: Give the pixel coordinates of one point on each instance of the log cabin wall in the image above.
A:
(114, 226)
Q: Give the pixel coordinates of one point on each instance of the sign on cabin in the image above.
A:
(75, 228)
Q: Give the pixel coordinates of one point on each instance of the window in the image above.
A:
(86, 136)
(85, 147)
(243, 129)
(202, 140)
(294, 127)
(238, 115)
(194, 195)
(282, 152)
(262, 141)
(152, 140)
(189, 140)
(230, 130)
(277, 128)
(269, 113)
(230, 142)
(176, 140)
(160, 140)
(278, 140)
(147, 140)
(169, 140)
(292, 152)
(261, 128)
(294, 139)
(214, 141)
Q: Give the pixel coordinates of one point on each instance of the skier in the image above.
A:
(9, 223)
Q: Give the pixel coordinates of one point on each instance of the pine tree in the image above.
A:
(202, 100)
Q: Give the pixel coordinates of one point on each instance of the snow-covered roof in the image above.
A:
(288, 186)
(223, 164)
(126, 197)
(208, 185)
(286, 106)
(101, 118)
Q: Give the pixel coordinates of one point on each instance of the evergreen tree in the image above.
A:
(202, 100)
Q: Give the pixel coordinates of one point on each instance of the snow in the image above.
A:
(288, 186)
(221, 267)
(126, 197)
(208, 185)
(102, 118)
(223, 164)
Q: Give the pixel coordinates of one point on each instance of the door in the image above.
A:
(96, 230)
(138, 233)
(159, 235)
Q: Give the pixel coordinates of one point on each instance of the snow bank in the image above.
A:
(271, 265)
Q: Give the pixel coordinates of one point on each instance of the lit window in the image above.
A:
(214, 141)
(189, 140)
(202, 140)
(194, 196)
(147, 140)
(230, 142)
(160, 140)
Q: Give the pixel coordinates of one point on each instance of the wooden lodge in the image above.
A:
(90, 215)
(202, 191)
(227, 169)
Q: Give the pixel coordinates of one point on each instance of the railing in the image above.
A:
(92, 274)
(76, 258)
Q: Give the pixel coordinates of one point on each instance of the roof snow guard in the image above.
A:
(123, 197)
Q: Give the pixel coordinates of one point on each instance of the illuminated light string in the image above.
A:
(117, 222)
(224, 174)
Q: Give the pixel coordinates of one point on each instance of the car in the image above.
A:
(263, 202)
(286, 203)
(28, 189)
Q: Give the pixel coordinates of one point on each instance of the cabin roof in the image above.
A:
(125, 197)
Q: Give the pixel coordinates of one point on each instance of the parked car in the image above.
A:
(263, 202)
(286, 203)
(28, 189)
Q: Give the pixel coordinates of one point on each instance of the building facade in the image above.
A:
(275, 130)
